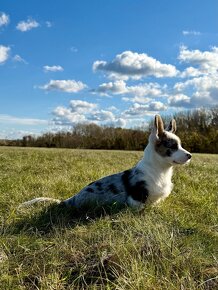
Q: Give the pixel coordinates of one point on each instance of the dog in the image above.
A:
(149, 182)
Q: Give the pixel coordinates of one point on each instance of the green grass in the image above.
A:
(172, 246)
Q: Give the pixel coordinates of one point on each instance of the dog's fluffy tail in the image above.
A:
(38, 199)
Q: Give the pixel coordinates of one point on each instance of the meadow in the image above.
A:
(170, 246)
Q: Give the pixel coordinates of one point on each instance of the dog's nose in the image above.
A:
(189, 155)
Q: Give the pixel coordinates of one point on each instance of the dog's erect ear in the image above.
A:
(172, 126)
(158, 125)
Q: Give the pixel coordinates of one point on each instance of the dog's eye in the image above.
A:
(174, 146)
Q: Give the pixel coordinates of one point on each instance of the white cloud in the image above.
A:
(18, 58)
(179, 100)
(203, 91)
(68, 86)
(53, 68)
(7, 119)
(4, 53)
(134, 65)
(191, 32)
(119, 87)
(77, 112)
(139, 110)
(84, 112)
(201, 87)
(136, 110)
(146, 89)
(203, 83)
(207, 61)
(27, 25)
(206, 91)
(156, 106)
(191, 72)
(48, 24)
(113, 108)
(80, 106)
(4, 19)
(140, 100)
(141, 93)
(120, 122)
(101, 116)
(65, 116)
(73, 49)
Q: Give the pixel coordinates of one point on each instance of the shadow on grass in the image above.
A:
(60, 216)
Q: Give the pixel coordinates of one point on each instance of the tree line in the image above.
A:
(198, 130)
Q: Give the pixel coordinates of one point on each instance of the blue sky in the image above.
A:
(109, 62)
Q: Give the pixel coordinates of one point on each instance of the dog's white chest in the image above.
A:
(159, 190)
(158, 180)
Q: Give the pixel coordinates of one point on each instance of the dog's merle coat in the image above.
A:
(148, 182)
(116, 188)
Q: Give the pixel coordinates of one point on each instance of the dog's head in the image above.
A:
(166, 144)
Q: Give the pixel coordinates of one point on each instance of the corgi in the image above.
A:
(148, 182)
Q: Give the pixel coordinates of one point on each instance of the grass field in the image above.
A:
(172, 246)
